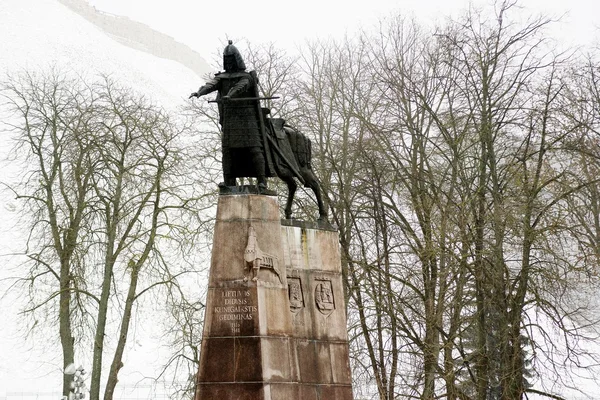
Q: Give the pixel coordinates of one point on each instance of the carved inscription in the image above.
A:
(324, 296)
(234, 307)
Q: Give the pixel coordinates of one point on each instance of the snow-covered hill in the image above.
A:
(139, 36)
(42, 34)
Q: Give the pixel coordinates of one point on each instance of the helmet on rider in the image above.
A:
(232, 59)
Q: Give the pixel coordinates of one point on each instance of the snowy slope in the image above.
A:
(139, 36)
(40, 34)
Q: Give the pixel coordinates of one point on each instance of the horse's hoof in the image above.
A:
(262, 189)
(224, 189)
(324, 223)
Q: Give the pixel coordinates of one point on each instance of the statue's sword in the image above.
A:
(242, 99)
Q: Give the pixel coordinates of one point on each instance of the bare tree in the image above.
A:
(444, 157)
(54, 133)
(110, 197)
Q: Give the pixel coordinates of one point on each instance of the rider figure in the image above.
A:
(242, 145)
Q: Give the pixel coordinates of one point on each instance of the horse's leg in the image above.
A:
(291, 184)
(314, 185)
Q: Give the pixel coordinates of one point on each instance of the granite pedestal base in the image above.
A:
(275, 322)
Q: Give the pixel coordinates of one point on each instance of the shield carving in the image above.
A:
(324, 296)
(295, 294)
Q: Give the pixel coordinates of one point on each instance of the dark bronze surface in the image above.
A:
(254, 145)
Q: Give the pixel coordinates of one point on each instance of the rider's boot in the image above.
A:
(262, 185)
(225, 186)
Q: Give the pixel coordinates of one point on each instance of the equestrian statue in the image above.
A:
(253, 144)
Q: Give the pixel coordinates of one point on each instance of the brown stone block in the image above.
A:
(229, 242)
(248, 207)
(287, 261)
(284, 391)
(268, 237)
(340, 363)
(231, 391)
(275, 317)
(302, 324)
(309, 392)
(306, 354)
(311, 249)
(247, 360)
(265, 208)
(217, 360)
(276, 360)
(233, 207)
(329, 392)
(248, 327)
(231, 360)
(294, 362)
(332, 327)
(323, 362)
(294, 253)
(328, 251)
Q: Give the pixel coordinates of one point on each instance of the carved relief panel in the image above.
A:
(295, 293)
(324, 296)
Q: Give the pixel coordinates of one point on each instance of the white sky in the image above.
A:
(205, 26)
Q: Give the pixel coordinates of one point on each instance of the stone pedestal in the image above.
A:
(275, 323)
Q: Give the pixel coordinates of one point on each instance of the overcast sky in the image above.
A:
(205, 25)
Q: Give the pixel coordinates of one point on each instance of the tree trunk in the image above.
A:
(66, 338)
(125, 321)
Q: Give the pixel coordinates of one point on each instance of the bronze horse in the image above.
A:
(292, 158)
